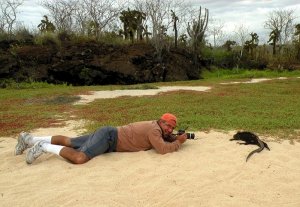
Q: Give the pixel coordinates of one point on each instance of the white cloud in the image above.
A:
(31, 13)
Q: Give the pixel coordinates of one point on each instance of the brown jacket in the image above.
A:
(144, 135)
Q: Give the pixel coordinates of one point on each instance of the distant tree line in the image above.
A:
(165, 24)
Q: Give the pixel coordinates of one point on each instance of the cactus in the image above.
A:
(196, 31)
(133, 23)
(46, 25)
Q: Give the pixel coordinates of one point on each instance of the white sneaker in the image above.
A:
(23, 142)
(34, 152)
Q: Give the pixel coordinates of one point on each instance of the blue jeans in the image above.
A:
(101, 141)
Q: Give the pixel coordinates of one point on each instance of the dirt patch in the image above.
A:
(149, 92)
(255, 80)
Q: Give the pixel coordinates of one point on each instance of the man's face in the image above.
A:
(166, 127)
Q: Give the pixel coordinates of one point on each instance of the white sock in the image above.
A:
(36, 139)
(52, 148)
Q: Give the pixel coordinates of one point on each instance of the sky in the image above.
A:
(250, 13)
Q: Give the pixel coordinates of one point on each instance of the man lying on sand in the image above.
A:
(133, 137)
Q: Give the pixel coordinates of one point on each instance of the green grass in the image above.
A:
(269, 108)
(241, 74)
(25, 109)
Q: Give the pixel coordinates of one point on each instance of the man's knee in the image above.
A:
(80, 158)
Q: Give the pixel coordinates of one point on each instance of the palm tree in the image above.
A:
(175, 20)
(228, 45)
(274, 38)
(253, 42)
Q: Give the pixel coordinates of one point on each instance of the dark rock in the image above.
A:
(92, 63)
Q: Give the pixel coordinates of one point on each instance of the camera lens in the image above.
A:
(190, 135)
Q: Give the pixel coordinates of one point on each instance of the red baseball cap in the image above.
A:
(170, 119)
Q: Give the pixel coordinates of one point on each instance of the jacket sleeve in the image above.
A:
(170, 138)
(158, 143)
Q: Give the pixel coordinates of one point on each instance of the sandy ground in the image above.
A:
(209, 171)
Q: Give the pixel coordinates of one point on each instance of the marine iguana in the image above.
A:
(250, 138)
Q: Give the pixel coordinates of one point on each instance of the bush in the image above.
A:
(113, 38)
(64, 36)
(221, 58)
(254, 64)
(23, 36)
(77, 39)
(12, 84)
(4, 36)
(47, 38)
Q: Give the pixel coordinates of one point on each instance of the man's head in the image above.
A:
(168, 122)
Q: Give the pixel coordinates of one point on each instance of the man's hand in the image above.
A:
(181, 138)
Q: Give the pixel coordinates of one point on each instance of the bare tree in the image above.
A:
(281, 20)
(215, 29)
(62, 12)
(2, 22)
(159, 20)
(85, 16)
(81, 19)
(100, 13)
(241, 34)
(9, 14)
(158, 12)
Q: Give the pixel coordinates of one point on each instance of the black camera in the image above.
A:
(189, 135)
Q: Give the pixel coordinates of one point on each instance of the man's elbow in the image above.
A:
(162, 151)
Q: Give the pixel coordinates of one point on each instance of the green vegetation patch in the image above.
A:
(26, 109)
(269, 108)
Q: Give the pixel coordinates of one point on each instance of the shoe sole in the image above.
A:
(19, 144)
